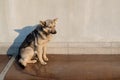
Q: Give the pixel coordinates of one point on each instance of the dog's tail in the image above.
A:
(18, 60)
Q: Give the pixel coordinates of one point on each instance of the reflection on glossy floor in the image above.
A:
(3, 61)
(70, 67)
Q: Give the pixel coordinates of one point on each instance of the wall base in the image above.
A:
(71, 48)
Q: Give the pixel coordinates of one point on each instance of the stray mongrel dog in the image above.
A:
(36, 41)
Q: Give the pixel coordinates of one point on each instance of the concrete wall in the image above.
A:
(79, 20)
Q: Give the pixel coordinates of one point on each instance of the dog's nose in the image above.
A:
(54, 32)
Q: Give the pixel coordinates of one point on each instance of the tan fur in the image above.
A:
(28, 52)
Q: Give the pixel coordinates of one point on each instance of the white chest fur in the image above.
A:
(45, 40)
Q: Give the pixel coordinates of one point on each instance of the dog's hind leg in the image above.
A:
(26, 56)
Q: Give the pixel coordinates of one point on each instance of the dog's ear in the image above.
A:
(43, 23)
(55, 20)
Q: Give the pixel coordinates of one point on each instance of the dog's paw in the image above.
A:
(46, 59)
(43, 63)
(34, 61)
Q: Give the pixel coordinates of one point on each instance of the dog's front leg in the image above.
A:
(39, 54)
(44, 53)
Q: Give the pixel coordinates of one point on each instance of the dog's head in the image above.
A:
(49, 25)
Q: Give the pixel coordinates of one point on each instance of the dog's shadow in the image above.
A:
(22, 33)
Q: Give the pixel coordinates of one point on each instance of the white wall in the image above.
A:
(79, 20)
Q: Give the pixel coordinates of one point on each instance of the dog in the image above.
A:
(35, 43)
